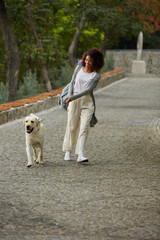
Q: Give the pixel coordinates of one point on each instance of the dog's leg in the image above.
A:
(28, 150)
(40, 155)
(34, 155)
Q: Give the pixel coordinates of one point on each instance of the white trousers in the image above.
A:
(79, 115)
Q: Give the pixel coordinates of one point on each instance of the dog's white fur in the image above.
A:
(35, 133)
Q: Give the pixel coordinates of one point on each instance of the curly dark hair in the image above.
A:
(98, 59)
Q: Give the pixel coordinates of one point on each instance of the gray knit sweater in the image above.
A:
(92, 85)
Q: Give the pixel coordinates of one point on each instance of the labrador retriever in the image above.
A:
(35, 133)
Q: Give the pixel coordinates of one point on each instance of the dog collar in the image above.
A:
(36, 132)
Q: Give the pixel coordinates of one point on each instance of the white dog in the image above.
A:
(35, 133)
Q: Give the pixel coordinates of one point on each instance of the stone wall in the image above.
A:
(21, 108)
(123, 59)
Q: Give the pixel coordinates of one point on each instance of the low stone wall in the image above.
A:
(123, 59)
(21, 108)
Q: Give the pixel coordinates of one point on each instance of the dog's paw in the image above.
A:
(37, 161)
(29, 165)
(41, 162)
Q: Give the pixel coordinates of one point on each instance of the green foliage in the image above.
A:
(65, 74)
(30, 86)
(60, 77)
(3, 93)
(56, 23)
(153, 41)
(44, 21)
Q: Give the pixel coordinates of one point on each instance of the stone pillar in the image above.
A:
(138, 67)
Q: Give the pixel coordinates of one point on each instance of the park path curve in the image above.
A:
(113, 197)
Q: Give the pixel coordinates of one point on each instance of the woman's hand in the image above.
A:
(68, 100)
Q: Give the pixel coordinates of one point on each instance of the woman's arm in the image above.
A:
(72, 82)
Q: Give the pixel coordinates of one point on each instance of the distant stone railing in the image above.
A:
(123, 59)
(23, 107)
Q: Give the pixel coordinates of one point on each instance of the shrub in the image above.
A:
(60, 77)
(3, 93)
(30, 86)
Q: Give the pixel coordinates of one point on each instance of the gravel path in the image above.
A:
(115, 196)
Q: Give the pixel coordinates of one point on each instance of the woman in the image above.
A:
(81, 102)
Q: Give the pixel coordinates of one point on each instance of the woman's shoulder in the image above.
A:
(96, 76)
(79, 66)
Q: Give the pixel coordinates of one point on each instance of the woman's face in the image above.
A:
(88, 62)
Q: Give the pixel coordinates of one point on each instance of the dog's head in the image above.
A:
(31, 123)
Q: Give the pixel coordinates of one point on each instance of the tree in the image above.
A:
(82, 11)
(150, 15)
(135, 16)
(74, 44)
(11, 51)
(40, 47)
(61, 30)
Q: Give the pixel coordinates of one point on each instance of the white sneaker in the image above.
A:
(82, 158)
(67, 156)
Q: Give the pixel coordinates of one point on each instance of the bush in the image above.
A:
(3, 93)
(30, 86)
(60, 77)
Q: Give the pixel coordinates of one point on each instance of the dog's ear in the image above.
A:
(38, 121)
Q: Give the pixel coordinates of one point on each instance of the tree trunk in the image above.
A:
(11, 51)
(104, 43)
(74, 45)
(45, 76)
(39, 45)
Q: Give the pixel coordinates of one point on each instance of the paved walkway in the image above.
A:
(113, 197)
